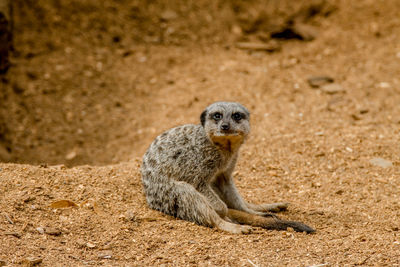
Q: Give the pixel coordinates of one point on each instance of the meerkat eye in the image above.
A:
(217, 116)
(237, 116)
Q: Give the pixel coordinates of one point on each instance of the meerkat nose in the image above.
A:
(225, 126)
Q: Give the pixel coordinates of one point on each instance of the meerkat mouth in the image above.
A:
(226, 134)
(226, 141)
(233, 136)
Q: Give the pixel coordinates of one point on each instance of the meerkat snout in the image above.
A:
(225, 126)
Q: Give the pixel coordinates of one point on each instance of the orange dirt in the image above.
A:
(91, 85)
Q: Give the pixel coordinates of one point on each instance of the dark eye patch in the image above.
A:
(237, 116)
(217, 116)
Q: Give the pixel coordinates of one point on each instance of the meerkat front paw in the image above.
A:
(275, 207)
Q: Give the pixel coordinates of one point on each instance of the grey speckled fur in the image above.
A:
(187, 170)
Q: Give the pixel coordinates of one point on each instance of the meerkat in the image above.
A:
(187, 173)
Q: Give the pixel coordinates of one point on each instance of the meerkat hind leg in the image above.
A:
(269, 223)
(223, 222)
(189, 204)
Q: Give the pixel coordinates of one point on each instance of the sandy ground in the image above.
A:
(91, 86)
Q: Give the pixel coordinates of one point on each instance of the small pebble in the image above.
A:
(332, 88)
(258, 46)
(306, 32)
(381, 162)
(16, 234)
(106, 254)
(384, 85)
(31, 261)
(130, 216)
(90, 245)
(168, 15)
(52, 231)
(70, 155)
(318, 81)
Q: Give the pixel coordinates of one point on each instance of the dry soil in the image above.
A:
(93, 83)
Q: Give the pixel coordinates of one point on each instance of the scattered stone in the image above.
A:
(153, 80)
(168, 15)
(237, 30)
(31, 261)
(130, 216)
(71, 155)
(339, 192)
(318, 81)
(29, 199)
(16, 234)
(58, 167)
(40, 230)
(296, 30)
(88, 73)
(52, 231)
(290, 62)
(252, 46)
(142, 58)
(348, 149)
(80, 243)
(381, 162)
(316, 185)
(127, 53)
(149, 219)
(106, 254)
(317, 212)
(384, 85)
(97, 208)
(332, 88)
(8, 218)
(305, 32)
(60, 204)
(356, 117)
(90, 245)
(286, 169)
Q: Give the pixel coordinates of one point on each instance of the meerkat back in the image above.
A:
(178, 154)
(171, 168)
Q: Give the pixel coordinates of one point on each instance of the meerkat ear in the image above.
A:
(203, 117)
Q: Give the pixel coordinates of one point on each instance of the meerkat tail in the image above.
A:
(270, 223)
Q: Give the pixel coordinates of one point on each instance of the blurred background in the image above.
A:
(89, 82)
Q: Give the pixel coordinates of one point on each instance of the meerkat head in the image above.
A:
(227, 124)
